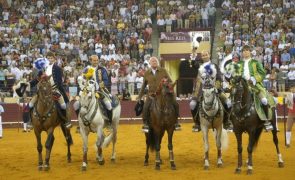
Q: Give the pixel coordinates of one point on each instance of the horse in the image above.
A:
(45, 117)
(246, 119)
(163, 117)
(91, 119)
(211, 116)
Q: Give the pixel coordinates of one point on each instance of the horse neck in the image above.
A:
(164, 100)
(41, 106)
(246, 98)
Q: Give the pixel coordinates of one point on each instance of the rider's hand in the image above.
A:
(253, 80)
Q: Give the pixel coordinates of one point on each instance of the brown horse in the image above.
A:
(163, 118)
(246, 119)
(45, 117)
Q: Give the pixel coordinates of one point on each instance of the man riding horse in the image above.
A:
(254, 73)
(152, 79)
(100, 75)
(56, 80)
(195, 102)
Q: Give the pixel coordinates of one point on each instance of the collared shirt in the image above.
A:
(154, 71)
(48, 72)
(246, 69)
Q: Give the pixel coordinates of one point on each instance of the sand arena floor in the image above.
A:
(18, 157)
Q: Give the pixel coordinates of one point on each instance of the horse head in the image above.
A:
(45, 89)
(87, 95)
(166, 87)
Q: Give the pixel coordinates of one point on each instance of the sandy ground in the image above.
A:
(18, 157)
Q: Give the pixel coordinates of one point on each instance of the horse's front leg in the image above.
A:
(69, 140)
(84, 133)
(147, 142)
(276, 141)
(170, 148)
(39, 149)
(206, 146)
(99, 142)
(240, 149)
(158, 148)
(48, 145)
(218, 145)
(250, 151)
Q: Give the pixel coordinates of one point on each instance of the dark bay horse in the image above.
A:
(163, 118)
(45, 117)
(246, 119)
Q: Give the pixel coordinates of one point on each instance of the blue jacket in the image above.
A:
(101, 74)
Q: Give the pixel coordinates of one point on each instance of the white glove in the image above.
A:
(253, 80)
(224, 85)
(227, 75)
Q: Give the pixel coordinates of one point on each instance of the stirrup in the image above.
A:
(145, 129)
(196, 128)
(268, 126)
(177, 127)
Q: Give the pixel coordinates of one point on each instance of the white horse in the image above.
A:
(91, 119)
(211, 116)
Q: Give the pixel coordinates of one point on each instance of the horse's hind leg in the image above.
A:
(276, 142)
(240, 150)
(68, 136)
(39, 148)
(48, 145)
(170, 148)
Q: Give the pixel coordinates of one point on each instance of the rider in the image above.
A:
(253, 71)
(195, 102)
(152, 79)
(56, 80)
(100, 75)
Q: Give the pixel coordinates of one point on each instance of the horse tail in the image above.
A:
(151, 139)
(257, 136)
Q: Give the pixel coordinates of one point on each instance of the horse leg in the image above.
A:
(276, 142)
(206, 144)
(48, 145)
(84, 135)
(146, 160)
(218, 146)
(250, 151)
(113, 158)
(240, 150)
(67, 134)
(157, 147)
(39, 149)
(170, 148)
(99, 142)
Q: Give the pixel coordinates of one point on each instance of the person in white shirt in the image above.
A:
(1, 113)
(131, 80)
(138, 82)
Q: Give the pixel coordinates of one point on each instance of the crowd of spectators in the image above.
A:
(269, 27)
(118, 31)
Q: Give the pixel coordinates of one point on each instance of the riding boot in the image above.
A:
(67, 122)
(196, 118)
(267, 124)
(110, 115)
(227, 124)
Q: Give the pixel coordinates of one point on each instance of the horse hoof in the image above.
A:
(161, 162)
(83, 168)
(281, 164)
(238, 171)
(206, 167)
(40, 168)
(46, 168)
(219, 165)
(113, 160)
(173, 167)
(249, 171)
(146, 163)
(101, 162)
(69, 160)
(157, 167)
